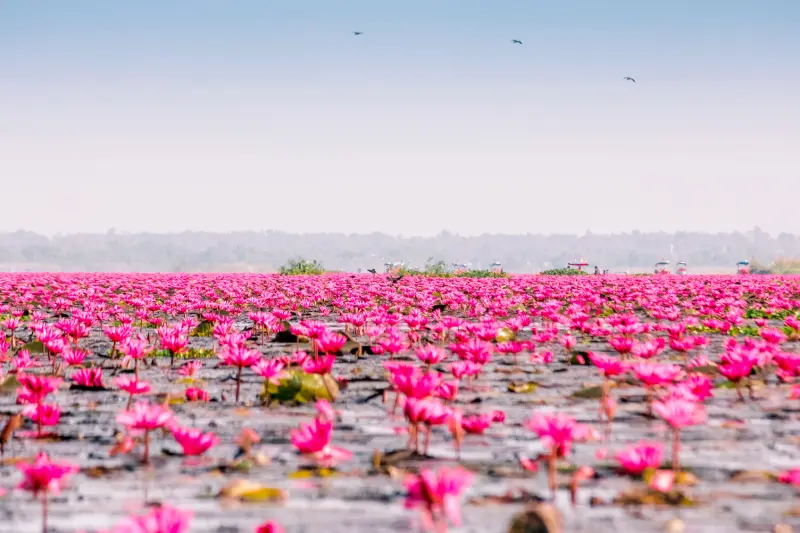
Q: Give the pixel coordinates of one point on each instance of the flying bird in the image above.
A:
(628, 78)
(358, 33)
(516, 41)
(372, 271)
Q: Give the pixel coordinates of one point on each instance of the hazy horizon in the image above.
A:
(165, 116)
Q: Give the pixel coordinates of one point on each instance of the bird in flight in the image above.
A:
(358, 33)
(516, 41)
(372, 271)
(628, 78)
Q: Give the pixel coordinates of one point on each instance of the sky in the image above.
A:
(173, 115)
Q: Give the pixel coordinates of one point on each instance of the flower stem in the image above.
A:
(44, 512)
(238, 382)
(676, 448)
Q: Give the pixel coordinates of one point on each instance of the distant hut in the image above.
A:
(662, 267)
(743, 267)
(681, 268)
(393, 267)
(496, 267)
(579, 264)
(459, 268)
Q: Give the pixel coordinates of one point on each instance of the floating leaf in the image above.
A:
(250, 491)
(519, 496)
(709, 370)
(754, 476)
(307, 473)
(34, 347)
(301, 387)
(522, 387)
(647, 496)
(204, 329)
(504, 335)
(538, 518)
(580, 358)
(9, 385)
(589, 393)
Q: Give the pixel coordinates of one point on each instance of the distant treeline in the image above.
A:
(268, 251)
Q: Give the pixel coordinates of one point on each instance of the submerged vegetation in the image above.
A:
(302, 267)
(564, 272)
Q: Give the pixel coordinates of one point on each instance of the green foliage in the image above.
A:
(564, 272)
(203, 329)
(301, 387)
(752, 312)
(481, 274)
(439, 270)
(747, 331)
(302, 267)
(191, 353)
(781, 266)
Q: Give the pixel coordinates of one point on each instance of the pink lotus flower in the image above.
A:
(42, 477)
(90, 378)
(23, 361)
(679, 413)
(194, 394)
(240, 357)
(71, 356)
(790, 477)
(322, 365)
(37, 387)
(133, 386)
(608, 366)
(190, 369)
(447, 390)
(557, 433)
(269, 527)
(662, 480)
(437, 493)
(430, 354)
(635, 459)
(44, 414)
(622, 345)
(329, 342)
(161, 519)
(146, 418)
(314, 440)
(325, 410)
(194, 441)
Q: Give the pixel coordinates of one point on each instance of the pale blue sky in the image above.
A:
(197, 114)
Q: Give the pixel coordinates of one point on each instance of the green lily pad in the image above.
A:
(589, 393)
(300, 387)
(203, 329)
(34, 347)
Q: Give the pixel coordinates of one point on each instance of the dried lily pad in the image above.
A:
(709, 370)
(754, 476)
(589, 393)
(250, 491)
(539, 518)
(315, 472)
(521, 387)
(504, 335)
(510, 497)
(580, 358)
(647, 496)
